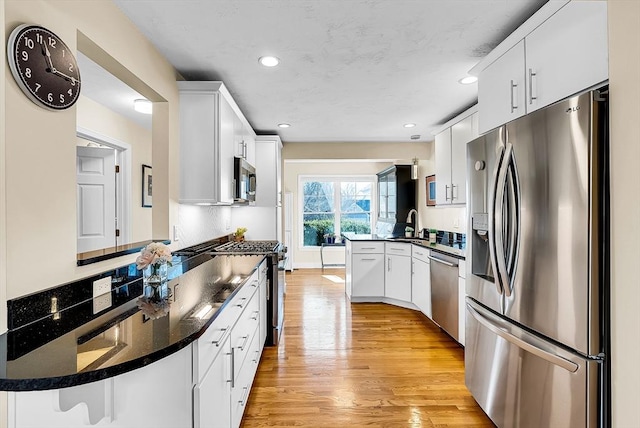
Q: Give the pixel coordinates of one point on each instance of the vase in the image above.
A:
(154, 279)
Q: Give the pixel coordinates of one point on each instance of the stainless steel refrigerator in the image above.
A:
(537, 299)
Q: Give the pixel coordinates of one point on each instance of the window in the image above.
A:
(333, 205)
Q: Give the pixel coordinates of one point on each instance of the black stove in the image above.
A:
(248, 247)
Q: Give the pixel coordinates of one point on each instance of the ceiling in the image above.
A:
(350, 71)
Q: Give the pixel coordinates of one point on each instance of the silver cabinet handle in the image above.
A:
(388, 264)
(256, 314)
(233, 368)
(419, 253)
(444, 262)
(245, 394)
(513, 106)
(453, 186)
(244, 343)
(413, 264)
(224, 331)
(446, 192)
(240, 305)
(532, 74)
(368, 260)
(255, 283)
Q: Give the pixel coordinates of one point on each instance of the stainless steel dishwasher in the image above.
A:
(444, 292)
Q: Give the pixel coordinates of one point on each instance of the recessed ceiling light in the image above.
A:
(143, 106)
(269, 61)
(468, 80)
(409, 125)
(284, 125)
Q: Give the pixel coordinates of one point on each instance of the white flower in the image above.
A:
(152, 253)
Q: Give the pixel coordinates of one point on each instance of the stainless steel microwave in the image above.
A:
(244, 176)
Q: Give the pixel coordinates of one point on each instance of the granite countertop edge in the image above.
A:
(77, 379)
(444, 249)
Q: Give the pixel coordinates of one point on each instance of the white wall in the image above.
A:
(624, 70)
(97, 118)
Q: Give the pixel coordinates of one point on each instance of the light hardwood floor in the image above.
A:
(354, 365)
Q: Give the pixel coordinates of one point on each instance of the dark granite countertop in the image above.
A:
(443, 245)
(74, 346)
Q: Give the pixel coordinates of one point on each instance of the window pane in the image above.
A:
(355, 222)
(355, 197)
(318, 196)
(315, 226)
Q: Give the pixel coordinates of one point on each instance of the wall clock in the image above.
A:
(44, 67)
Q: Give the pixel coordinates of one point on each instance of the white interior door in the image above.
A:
(96, 198)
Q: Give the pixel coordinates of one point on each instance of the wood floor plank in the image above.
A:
(358, 365)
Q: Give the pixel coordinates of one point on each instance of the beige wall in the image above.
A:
(624, 70)
(99, 119)
(39, 214)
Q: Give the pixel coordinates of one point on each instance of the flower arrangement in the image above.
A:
(239, 233)
(153, 254)
(154, 308)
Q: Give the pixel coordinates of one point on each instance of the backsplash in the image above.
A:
(202, 223)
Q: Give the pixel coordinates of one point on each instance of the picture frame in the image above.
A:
(147, 186)
(431, 190)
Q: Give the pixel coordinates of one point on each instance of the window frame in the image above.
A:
(336, 180)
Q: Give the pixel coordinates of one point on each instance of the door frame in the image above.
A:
(123, 178)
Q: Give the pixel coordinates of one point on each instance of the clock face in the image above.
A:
(44, 67)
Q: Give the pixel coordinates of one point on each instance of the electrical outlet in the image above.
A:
(456, 223)
(101, 286)
(101, 303)
(176, 232)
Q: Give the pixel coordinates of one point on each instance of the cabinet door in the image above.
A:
(567, 53)
(383, 197)
(239, 148)
(421, 286)
(367, 275)
(461, 133)
(249, 145)
(267, 172)
(443, 167)
(397, 277)
(225, 151)
(501, 90)
(462, 313)
(212, 396)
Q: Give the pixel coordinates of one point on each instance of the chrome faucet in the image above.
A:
(416, 228)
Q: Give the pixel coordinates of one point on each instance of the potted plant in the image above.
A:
(329, 238)
(408, 231)
(238, 235)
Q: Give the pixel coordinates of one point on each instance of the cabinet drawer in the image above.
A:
(243, 332)
(367, 247)
(207, 347)
(420, 253)
(397, 249)
(242, 384)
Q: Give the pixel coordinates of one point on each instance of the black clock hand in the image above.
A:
(64, 76)
(47, 57)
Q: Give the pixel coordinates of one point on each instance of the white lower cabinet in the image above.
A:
(397, 273)
(212, 395)
(367, 275)
(421, 280)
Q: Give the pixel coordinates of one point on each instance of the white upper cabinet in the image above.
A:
(501, 94)
(562, 55)
(211, 129)
(268, 153)
(451, 159)
(567, 53)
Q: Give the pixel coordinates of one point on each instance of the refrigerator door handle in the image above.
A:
(512, 206)
(498, 220)
(492, 227)
(521, 343)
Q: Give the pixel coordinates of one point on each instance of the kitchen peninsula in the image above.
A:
(398, 271)
(132, 366)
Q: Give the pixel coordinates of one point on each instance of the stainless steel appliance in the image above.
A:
(275, 253)
(244, 176)
(444, 292)
(537, 322)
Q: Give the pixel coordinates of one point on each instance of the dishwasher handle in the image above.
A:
(444, 262)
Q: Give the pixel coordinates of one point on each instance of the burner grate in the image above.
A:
(248, 247)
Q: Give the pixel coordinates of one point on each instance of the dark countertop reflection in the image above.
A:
(74, 346)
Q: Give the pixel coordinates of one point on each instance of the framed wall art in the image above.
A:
(147, 186)
(431, 190)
